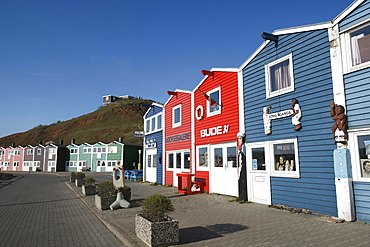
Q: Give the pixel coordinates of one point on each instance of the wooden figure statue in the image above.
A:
(337, 113)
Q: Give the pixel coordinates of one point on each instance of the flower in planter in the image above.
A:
(156, 207)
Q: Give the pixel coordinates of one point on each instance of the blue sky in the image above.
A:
(58, 58)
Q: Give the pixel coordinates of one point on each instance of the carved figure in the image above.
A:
(266, 121)
(337, 113)
(297, 115)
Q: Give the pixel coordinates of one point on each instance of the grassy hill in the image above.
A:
(107, 124)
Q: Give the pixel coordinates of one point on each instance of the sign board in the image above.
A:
(280, 114)
(139, 133)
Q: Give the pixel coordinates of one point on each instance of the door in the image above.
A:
(151, 165)
(224, 170)
(258, 174)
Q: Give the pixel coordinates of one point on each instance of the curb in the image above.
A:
(124, 235)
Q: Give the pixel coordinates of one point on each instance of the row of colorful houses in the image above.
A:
(279, 102)
(98, 157)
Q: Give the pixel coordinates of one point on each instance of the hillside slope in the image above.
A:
(107, 124)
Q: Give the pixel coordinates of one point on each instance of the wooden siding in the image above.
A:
(360, 14)
(185, 100)
(362, 201)
(228, 83)
(315, 189)
(357, 86)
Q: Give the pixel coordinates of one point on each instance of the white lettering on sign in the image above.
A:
(280, 114)
(219, 130)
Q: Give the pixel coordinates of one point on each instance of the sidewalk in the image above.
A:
(216, 220)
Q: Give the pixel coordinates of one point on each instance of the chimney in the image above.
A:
(40, 142)
(73, 141)
(61, 141)
(13, 144)
(120, 139)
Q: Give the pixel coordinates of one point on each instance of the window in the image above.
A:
(153, 124)
(29, 151)
(86, 150)
(36, 163)
(231, 157)
(176, 116)
(214, 102)
(53, 150)
(147, 125)
(159, 122)
(15, 163)
(112, 163)
(360, 45)
(284, 157)
(177, 159)
(149, 161)
(360, 155)
(154, 160)
(39, 151)
(202, 158)
(75, 150)
(112, 149)
(51, 163)
(279, 76)
(170, 160)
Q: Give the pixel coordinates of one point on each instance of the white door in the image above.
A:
(258, 177)
(151, 165)
(224, 170)
(181, 164)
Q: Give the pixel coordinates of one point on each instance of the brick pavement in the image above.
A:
(216, 220)
(40, 210)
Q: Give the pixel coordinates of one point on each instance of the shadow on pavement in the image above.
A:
(198, 233)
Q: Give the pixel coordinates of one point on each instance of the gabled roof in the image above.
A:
(153, 104)
(179, 91)
(347, 11)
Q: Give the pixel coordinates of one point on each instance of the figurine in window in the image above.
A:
(297, 115)
(366, 168)
(337, 113)
(280, 165)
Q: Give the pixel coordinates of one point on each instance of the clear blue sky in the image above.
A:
(58, 58)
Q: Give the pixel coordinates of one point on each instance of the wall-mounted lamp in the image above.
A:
(269, 36)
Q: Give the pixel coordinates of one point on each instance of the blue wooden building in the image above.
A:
(153, 144)
(350, 45)
(290, 159)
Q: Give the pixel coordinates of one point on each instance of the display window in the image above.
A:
(179, 159)
(202, 158)
(360, 155)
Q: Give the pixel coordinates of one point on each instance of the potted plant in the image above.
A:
(89, 188)
(72, 177)
(153, 225)
(106, 195)
(126, 191)
(80, 176)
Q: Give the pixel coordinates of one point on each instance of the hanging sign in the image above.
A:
(280, 114)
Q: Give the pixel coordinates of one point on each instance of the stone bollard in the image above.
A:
(120, 202)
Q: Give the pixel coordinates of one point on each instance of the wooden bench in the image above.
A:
(86, 169)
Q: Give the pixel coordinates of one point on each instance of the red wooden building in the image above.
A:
(177, 135)
(216, 124)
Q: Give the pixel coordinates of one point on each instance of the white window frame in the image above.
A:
(29, 151)
(52, 163)
(355, 159)
(345, 39)
(112, 149)
(15, 163)
(39, 151)
(153, 120)
(271, 155)
(74, 150)
(175, 153)
(270, 94)
(216, 112)
(178, 124)
(203, 168)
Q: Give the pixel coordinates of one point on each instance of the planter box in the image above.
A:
(157, 233)
(88, 190)
(103, 203)
(79, 183)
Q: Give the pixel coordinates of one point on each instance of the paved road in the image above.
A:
(39, 210)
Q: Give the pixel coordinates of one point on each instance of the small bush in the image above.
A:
(156, 207)
(126, 191)
(4, 176)
(73, 175)
(80, 176)
(105, 189)
(90, 181)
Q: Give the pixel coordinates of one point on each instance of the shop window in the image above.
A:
(360, 155)
(202, 158)
(279, 77)
(284, 155)
(231, 157)
(258, 159)
(214, 102)
(176, 116)
(178, 159)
